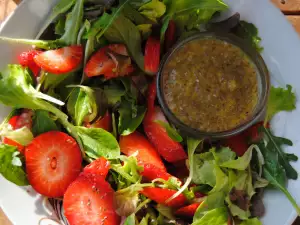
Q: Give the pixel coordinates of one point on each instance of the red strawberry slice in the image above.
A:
(152, 172)
(13, 121)
(98, 167)
(53, 162)
(137, 145)
(104, 122)
(152, 55)
(237, 143)
(160, 196)
(188, 211)
(170, 35)
(26, 59)
(62, 60)
(89, 201)
(111, 61)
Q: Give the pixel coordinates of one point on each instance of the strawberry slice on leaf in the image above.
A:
(89, 200)
(152, 55)
(161, 196)
(60, 61)
(188, 211)
(53, 162)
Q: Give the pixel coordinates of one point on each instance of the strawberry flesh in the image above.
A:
(53, 162)
(26, 59)
(152, 55)
(98, 167)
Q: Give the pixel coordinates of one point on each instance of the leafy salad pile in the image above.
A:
(86, 129)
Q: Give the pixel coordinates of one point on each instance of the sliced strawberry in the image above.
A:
(169, 149)
(62, 60)
(188, 211)
(8, 141)
(89, 200)
(152, 55)
(98, 167)
(161, 195)
(26, 59)
(252, 135)
(137, 145)
(152, 172)
(111, 61)
(104, 122)
(53, 161)
(170, 38)
(13, 121)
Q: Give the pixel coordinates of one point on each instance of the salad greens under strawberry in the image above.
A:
(86, 130)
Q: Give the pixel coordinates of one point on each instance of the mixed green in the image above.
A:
(85, 125)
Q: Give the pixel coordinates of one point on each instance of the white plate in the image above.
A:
(281, 53)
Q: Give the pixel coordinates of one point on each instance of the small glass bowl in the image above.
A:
(263, 87)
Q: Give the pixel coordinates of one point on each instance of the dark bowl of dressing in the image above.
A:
(213, 85)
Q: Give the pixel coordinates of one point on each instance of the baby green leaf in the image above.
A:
(42, 123)
(172, 132)
(153, 10)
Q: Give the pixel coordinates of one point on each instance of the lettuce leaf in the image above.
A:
(218, 216)
(253, 221)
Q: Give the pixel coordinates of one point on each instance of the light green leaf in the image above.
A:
(217, 216)
(153, 10)
(130, 220)
(8, 168)
(23, 135)
(221, 180)
(98, 142)
(223, 155)
(172, 132)
(253, 221)
(280, 99)
(204, 172)
(165, 211)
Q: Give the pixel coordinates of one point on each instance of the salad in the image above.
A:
(86, 130)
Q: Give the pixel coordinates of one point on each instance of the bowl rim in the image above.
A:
(253, 56)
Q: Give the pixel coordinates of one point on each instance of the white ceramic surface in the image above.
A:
(281, 53)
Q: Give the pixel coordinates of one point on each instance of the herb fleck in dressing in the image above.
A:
(211, 85)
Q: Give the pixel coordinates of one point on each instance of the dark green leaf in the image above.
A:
(124, 31)
(99, 143)
(280, 99)
(10, 166)
(127, 123)
(172, 132)
(134, 15)
(249, 32)
(291, 157)
(73, 24)
(42, 123)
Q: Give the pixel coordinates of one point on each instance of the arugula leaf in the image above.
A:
(273, 144)
(280, 99)
(172, 132)
(153, 10)
(98, 142)
(216, 216)
(60, 8)
(122, 30)
(253, 221)
(82, 105)
(14, 172)
(23, 136)
(249, 32)
(42, 123)
(127, 123)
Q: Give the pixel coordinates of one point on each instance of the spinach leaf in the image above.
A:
(280, 99)
(124, 31)
(11, 165)
(73, 24)
(216, 216)
(273, 144)
(127, 123)
(249, 32)
(99, 143)
(172, 132)
(82, 105)
(42, 123)
(153, 10)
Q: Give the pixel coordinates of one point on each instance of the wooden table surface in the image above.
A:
(291, 8)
